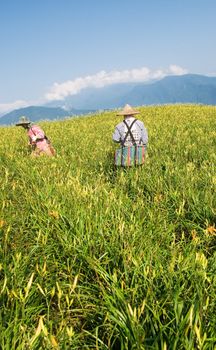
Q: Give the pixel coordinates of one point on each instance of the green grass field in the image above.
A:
(98, 258)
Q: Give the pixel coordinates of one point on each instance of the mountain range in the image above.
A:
(188, 88)
(35, 113)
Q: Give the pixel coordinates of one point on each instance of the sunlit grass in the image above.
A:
(98, 258)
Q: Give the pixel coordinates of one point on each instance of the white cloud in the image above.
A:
(212, 74)
(6, 107)
(72, 87)
(176, 70)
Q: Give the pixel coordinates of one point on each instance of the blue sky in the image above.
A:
(53, 48)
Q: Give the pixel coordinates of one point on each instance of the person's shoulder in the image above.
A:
(119, 125)
(35, 126)
(140, 122)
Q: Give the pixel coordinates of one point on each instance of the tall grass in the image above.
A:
(98, 258)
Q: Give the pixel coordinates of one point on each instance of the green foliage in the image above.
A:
(98, 258)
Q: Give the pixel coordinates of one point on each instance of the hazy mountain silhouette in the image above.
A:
(35, 113)
(189, 88)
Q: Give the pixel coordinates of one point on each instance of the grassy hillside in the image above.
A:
(93, 258)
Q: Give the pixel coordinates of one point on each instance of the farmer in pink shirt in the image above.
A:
(37, 138)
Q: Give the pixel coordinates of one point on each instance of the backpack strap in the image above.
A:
(129, 132)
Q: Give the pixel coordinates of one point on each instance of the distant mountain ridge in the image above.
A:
(188, 88)
(35, 113)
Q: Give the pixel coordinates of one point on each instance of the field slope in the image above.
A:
(94, 258)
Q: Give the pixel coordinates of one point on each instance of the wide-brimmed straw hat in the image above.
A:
(23, 121)
(128, 110)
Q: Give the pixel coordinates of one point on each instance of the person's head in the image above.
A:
(128, 111)
(24, 122)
